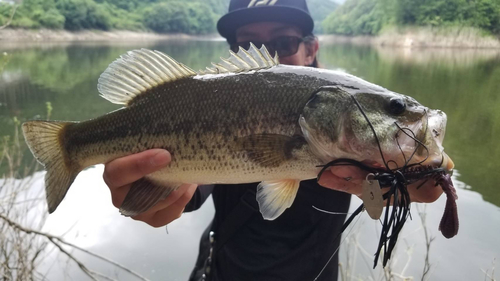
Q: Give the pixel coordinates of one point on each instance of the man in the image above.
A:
(296, 245)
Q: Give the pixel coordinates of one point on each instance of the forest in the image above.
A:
(162, 16)
(354, 17)
(370, 17)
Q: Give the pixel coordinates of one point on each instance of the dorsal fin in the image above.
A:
(244, 60)
(137, 71)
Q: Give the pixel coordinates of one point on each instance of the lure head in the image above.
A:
(361, 125)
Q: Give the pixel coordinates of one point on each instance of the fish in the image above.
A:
(246, 119)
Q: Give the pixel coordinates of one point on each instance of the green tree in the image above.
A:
(52, 19)
(84, 14)
(187, 16)
(192, 18)
(369, 16)
(320, 9)
(355, 17)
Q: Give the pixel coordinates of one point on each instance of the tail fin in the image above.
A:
(44, 138)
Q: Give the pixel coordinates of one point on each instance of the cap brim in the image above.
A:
(229, 23)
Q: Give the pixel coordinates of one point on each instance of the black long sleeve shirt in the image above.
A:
(295, 246)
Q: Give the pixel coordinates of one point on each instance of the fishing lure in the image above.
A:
(397, 180)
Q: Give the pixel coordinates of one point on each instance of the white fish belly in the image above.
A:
(234, 173)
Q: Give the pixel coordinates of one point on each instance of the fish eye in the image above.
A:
(397, 106)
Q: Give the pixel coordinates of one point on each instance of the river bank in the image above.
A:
(49, 35)
(409, 37)
(422, 37)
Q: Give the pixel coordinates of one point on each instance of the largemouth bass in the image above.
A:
(247, 119)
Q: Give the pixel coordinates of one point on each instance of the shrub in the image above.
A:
(83, 14)
(192, 18)
(355, 17)
(52, 19)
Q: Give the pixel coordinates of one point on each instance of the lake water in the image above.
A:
(463, 83)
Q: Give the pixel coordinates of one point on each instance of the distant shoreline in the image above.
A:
(49, 35)
(420, 37)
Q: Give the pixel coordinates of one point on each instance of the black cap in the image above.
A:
(243, 12)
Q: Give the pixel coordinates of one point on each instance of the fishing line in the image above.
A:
(329, 212)
(419, 143)
(395, 216)
(413, 137)
(399, 146)
(336, 250)
(373, 130)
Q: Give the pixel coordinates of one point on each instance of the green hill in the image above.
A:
(164, 16)
(358, 17)
(320, 9)
(186, 16)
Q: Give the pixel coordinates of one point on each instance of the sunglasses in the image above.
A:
(285, 45)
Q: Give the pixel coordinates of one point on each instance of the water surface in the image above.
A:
(463, 83)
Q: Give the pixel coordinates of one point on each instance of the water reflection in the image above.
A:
(87, 218)
(454, 58)
(66, 76)
(450, 259)
(467, 90)
(462, 83)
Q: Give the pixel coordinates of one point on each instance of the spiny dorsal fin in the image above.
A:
(244, 60)
(137, 71)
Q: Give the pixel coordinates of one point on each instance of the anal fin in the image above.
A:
(143, 195)
(274, 197)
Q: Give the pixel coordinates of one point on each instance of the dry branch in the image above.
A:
(14, 9)
(428, 242)
(58, 242)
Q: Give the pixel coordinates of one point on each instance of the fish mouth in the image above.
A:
(349, 177)
(444, 162)
(420, 144)
(447, 163)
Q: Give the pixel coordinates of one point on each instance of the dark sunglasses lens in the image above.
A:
(286, 46)
(245, 45)
(234, 47)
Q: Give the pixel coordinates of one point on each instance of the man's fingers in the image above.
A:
(344, 178)
(166, 216)
(160, 217)
(348, 172)
(126, 170)
(349, 179)
(349, 185)
(171, 198)
(426, 193)
(118, 195)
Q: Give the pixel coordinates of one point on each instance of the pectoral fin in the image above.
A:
(143, 195)
(270, 150)
(274, 197)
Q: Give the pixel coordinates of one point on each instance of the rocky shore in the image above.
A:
(411, 37)
(48, 35)
(422, 37)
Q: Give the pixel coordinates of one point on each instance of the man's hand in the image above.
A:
(120, 173)
(349, 178)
